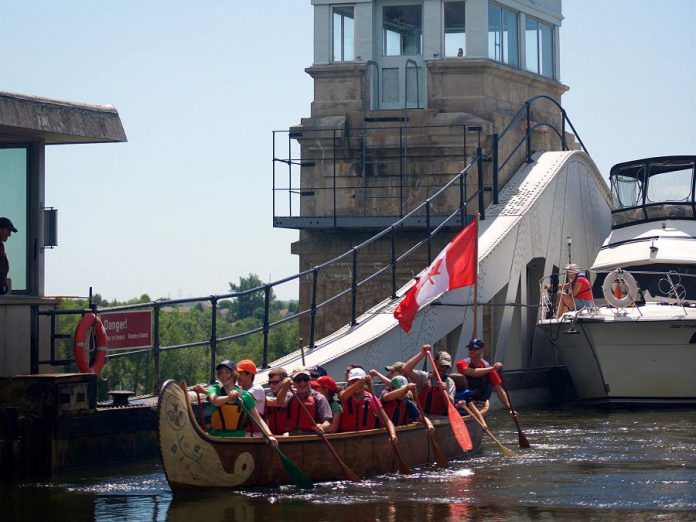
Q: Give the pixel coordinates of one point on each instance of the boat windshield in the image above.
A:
(653, 189)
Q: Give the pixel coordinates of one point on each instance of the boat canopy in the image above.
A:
(652, 189)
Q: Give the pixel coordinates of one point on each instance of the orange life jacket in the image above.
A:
(228, 417)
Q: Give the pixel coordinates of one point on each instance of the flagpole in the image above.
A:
(476, 257)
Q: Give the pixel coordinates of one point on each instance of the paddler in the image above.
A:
(229, 418)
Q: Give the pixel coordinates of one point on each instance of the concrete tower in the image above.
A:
(404, 93)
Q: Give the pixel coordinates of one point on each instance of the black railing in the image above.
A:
(458, 216)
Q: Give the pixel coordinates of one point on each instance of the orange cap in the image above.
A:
(246, 365)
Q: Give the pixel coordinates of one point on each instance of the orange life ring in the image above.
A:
(87, 323)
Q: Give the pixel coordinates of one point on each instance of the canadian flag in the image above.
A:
(453, 268)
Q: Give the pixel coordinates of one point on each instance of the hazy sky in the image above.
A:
(184, 207)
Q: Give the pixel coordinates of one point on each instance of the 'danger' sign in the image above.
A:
(128, 329)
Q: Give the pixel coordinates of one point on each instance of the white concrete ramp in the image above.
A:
(561, 194)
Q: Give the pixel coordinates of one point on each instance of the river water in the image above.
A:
(583, 465)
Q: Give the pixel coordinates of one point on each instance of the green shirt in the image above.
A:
(336, 407)
(248, 402)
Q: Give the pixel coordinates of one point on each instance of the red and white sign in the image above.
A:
(128, 329)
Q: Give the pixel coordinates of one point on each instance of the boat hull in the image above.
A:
(193, 460)
(633, 359)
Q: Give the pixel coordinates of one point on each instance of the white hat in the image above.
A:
(572, 267)
(356, 373)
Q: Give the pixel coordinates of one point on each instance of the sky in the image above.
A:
(185, 207)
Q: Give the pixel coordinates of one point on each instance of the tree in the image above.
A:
(250, 304)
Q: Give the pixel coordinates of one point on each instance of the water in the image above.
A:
(583, 465)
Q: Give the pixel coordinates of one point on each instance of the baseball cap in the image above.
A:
(247, 365)
(398, 366)
(227, 364)
(300, 371)
(356, 373)
(443, 359)
(475, 344)
(316, 371)
(327, 382)
(7, 224)
(398, 382)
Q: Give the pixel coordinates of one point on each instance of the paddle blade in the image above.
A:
(298, 477)
(507, 452)
(523, 442)
(403, 467)
(439, 455)
(461, 432)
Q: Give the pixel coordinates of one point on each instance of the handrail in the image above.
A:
(474, 166)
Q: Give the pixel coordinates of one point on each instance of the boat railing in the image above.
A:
(662, 287)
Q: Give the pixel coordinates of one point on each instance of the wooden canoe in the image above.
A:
(193, 460)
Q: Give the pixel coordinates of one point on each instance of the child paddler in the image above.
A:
(233, 406)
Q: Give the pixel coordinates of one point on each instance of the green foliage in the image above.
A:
(187, 324)
(251, 304)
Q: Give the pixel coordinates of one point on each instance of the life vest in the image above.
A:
(229, 417)
(356, 416)
(277, 419)
(431, 399)
(397, 411)
(297, 418)
(481, 387)
(585, 291)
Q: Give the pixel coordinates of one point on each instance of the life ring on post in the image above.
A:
(619, 299)
(90, 324)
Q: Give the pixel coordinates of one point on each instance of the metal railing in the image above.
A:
(460, 216)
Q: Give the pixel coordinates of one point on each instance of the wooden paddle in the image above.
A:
(439, 455)
(461, 433)
(476, 414)
(348, 473)
(403, 467)
(523, 442)
(299, 477)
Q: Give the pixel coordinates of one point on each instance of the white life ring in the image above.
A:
(632, 287)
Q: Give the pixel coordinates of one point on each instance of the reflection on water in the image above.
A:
(582, 465)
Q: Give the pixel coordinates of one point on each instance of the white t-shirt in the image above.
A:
(259, 394)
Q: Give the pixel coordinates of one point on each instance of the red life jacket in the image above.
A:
(296, 417)
(431, 400)
(358, 416)
(397, 412)
(277, 419)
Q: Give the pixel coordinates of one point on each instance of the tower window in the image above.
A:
(343, 34)
(402, 27)
(455, 34)
(502, 35)
(539, 47)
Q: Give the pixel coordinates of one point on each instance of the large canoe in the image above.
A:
(193, 460)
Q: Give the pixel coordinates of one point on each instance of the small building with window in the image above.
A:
(27, 125)
(405, 92)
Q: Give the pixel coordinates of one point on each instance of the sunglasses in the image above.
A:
(274, 382)
(301, 378)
